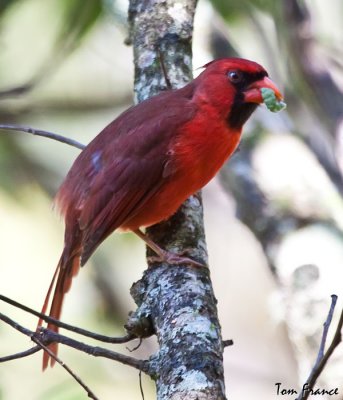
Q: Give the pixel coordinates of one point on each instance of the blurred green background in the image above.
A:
(274, 217)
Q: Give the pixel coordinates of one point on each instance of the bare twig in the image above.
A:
(141, 385)
(39, 132)
(164, 70)
(136, 347)
(15, 325)
(96, 351)
(72, 328)
(323, 358)
(65, 366)
(326, 327)
(227, 343)
(37, 348)
(22, 354)
(46, 336)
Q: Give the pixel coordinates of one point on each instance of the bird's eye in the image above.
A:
(235, 76)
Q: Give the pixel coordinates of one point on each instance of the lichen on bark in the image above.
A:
(177, 301)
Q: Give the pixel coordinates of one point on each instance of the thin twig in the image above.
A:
(22, 354)
(72, 328)
(46, 337)
(326, 327)
(96, 351)
(15, 325)
(323, 358)
(141, 385)
(227, 343)
(136, 347)
(65, 366)
(164, 70)
(39, 132)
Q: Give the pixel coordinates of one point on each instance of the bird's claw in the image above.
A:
(174, 259)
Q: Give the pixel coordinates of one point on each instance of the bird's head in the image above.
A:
(234, 86)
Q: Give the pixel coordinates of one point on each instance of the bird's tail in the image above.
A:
(67, 268)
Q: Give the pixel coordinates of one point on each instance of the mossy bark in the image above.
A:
(176, 303)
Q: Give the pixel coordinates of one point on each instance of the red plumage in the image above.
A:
(144, 164)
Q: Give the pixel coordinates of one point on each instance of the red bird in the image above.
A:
(148, 161)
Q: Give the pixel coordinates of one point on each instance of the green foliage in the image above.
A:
(76, 18)
(5, 4)
(79, 17)
(230, 9)
(233, 9)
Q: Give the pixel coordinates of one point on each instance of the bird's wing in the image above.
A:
(111, 201)
(122, 168)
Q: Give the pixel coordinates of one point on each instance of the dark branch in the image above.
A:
(65, 366)
(140, 385)
(227, 343)
(45, 336)
(164, 70)
(136, 347)
(326, 327)
(323, 358)
(39, 132)
(22, 354)
(72, 328)
(96, 351)
(15, 325)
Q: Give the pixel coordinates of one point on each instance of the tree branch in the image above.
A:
(45, 337)
(72, 328)
(65, 366)
(22, 354)
(323, 358)
(175, 302)
(46, 134)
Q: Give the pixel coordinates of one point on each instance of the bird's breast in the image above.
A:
(203, 148)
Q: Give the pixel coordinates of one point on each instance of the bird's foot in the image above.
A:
(167, 256)
(174, 259)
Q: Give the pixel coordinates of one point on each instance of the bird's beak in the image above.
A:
(253, 93)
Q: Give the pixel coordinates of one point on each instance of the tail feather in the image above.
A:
(48, 294)
(66, 269)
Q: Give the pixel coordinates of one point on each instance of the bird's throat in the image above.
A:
(240, 112)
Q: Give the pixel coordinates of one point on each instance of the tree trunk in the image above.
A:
(175, 302)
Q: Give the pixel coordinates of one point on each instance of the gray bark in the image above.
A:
(175, 302)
